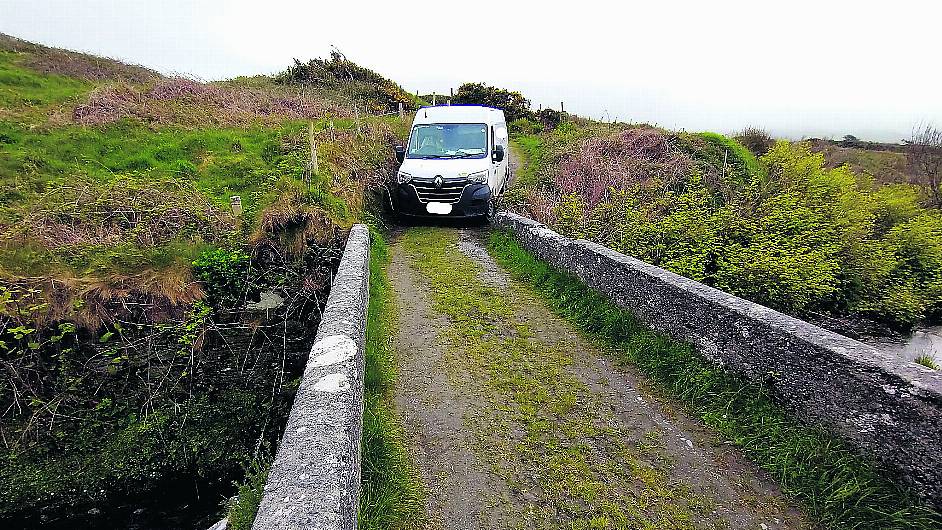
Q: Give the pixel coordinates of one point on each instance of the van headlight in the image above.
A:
(479, 177)
(402, 178)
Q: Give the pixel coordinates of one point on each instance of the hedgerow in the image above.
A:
(783, 230)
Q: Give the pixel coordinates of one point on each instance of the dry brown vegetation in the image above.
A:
(140, 211)
(924, 155)
(181, 101)
(602, 165)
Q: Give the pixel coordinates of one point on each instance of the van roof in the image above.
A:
(458, 114)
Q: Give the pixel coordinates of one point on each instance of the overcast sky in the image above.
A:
(797, 68)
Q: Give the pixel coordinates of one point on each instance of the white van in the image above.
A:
(456, 163)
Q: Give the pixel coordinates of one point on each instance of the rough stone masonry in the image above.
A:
(883, 405)
(314, 481)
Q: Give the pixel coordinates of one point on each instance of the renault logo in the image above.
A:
(439, 181)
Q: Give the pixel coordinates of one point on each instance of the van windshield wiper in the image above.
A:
(445, 155)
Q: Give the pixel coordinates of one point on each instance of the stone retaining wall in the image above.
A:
(315, 479)
(883, 405)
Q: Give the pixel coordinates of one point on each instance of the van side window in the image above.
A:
(501, 134)
(493, 138)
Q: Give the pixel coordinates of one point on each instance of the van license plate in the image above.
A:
(439, 208)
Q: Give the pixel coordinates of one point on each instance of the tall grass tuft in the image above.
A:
(836, 486)
(927, 360)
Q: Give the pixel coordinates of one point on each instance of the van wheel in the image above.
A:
(491, 209)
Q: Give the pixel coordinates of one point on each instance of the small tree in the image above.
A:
(513, 103)
(924, 154)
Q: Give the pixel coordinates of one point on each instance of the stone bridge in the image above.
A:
(885, 407)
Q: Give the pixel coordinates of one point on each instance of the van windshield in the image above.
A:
(448, 140)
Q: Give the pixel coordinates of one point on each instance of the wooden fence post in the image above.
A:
(312, 162)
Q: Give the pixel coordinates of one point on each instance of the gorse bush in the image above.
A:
(525, 126)
(514, 105)
(348, 79)
(782, 230)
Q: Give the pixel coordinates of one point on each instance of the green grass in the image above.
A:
(391, 495)
(530, 149)
(738, 154)
(30, 93)
(218, 162)
(195, 169)
(835, 486)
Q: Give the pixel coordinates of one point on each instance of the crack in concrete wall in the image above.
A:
(314, 481)
(883, 405)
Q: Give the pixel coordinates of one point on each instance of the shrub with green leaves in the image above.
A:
(224, 275)
(783, 230)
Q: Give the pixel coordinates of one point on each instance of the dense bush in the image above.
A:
(349, 79)
(783, 230)
(514, 105)
(548, 117)
(224, 275)
(525, 126)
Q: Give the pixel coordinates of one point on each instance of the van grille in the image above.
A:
(449, 192)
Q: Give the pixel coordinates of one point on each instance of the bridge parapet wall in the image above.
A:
(314, 481)
(886, 407)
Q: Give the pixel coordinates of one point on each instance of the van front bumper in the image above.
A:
(472, 203)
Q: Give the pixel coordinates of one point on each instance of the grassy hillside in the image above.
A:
(786, 230)
(137, 368)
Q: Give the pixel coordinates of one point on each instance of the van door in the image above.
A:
(502, 168)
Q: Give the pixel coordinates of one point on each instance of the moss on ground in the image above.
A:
(837, 487)
(541, 428)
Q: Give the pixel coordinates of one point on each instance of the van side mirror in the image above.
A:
(498, 155)
(400, 153)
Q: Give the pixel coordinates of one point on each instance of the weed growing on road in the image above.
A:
(835, 485)
(391, 496)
